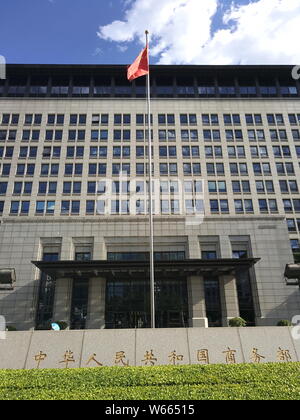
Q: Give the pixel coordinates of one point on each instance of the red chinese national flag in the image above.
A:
(140, 67)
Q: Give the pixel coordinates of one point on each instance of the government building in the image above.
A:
(74, 232)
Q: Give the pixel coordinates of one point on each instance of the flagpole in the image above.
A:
(151, 227)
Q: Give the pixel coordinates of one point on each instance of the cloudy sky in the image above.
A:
(182, 31)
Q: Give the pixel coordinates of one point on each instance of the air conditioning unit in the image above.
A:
(7, 278)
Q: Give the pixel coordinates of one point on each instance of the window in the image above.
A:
(65, 207)
(238, 204)
(81, 135)
(296, 135)
(90, 207)
(72, 135)
(263, 206)
(52, 188)
(67, 187)
(20, 169)
(5, 119)
(42, 188)
(58, 91)
(50, 207)
(69, 169)
(263, 151)
(28, 119)
(260, 186)
(3, 188)
(73, 119)
(14, 207)
(40, 207)
(6, 169)
(35, 135)
(95, 135)
(287, 204)
(273, 205)
(173, 168)
(163, 168)
(171, 119)
(270, 186)
(248, 206)
(18, 188)
(227, 119)
(209, 255)
(117, 119)
(104, 119)
(214, 206)
(117, 135)
(291, 225)
(183, 119)
(75, 208)
(83, 256)
(26, 135)
(140, 169)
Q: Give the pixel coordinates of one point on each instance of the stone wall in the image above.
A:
(199, 346)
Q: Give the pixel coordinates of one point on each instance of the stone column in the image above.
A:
(197, 307)
(63, 300)
(194, 247)
(96, 305)
(229, 299)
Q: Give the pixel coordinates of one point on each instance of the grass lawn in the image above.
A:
(235, 382)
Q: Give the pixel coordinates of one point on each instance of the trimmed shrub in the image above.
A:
(284, 323)
(11, 328)
(237, 322)
(270, 381)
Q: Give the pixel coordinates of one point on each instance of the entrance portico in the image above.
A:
(115, 294)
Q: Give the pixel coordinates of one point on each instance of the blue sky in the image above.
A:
(183, 31)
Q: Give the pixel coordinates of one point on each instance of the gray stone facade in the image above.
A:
(262, 233)
(22, 241)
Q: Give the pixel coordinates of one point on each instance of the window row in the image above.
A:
(190, 90)
(167, 206)
(141, 135)
(93, 187)
(142, 119)
(142, 151)
(76, 169)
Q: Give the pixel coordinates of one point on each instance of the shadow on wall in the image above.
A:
(18, 306)
(286, 310)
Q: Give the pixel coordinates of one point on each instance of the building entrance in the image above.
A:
(128, 304)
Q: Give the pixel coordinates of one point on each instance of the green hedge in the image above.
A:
(265, 381)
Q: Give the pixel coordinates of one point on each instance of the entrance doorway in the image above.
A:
(128, 304)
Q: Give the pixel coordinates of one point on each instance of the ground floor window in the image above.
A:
(145, 256)
(128, 303)
(245, 297)
(213, 301)
(79, 308)
(46, 296)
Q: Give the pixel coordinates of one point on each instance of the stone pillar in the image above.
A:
(197, 307)
(96, 305)
(194, 247)
(229, 299)
(63, 300)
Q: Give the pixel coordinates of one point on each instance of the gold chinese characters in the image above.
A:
(203, 356)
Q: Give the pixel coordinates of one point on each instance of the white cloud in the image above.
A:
(176, 26)
(265, 31)
(122, 48)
